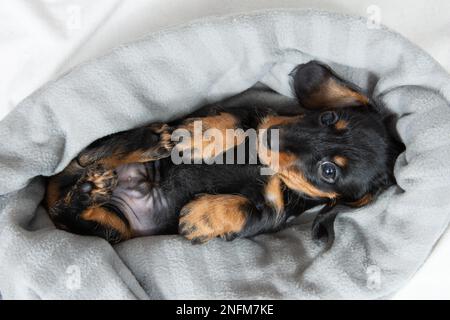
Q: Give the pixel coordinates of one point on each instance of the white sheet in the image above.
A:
(40, 40)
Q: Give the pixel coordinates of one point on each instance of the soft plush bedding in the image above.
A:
(170, 73)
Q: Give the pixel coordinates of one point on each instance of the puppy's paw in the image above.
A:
(161, 143)
(207, 137)
(211, 216)
(98, 183)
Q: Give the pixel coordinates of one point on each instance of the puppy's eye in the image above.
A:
(328, 171)
(328, 118)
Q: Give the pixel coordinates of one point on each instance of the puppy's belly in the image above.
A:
(140, 199)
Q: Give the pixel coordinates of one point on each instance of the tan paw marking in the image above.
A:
(165, 145)
(211, 216)
(210, 136)
(104, 181)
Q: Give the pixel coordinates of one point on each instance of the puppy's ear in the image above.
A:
(322, 229)
(317, 86)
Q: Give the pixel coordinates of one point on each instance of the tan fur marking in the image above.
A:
(341, 125)
(295, 180)
(164, 134)
(331, 93)
(286, 159)
(273, 194)
(211, 216)
(271, 121)
(205, 147)
(340, 161)
(366, 199)
(115, 161)
(275, 160)
(101, 180)
(52, 193)
(107, 219)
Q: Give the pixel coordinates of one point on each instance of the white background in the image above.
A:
(40, 39)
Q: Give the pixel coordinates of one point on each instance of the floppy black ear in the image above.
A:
(323, 225)
(317, 86)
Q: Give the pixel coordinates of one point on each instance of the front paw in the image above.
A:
(207, 137)
(211, 216)
(162, 147)
(98, 184)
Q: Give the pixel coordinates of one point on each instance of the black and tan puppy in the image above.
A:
(335, 147)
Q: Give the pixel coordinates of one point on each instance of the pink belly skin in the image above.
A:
(139, 198)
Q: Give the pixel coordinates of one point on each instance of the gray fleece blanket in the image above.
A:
(170, 73)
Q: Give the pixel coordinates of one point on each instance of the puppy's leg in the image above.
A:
(231, 216)
(213, 130)
(87, 182)
(207, 137)
(84, 199)
(210, 216)
(80, 187)
(143, 144)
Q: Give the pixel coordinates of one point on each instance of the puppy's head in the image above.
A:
(339, 149)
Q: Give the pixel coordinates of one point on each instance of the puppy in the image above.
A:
(334, 147)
